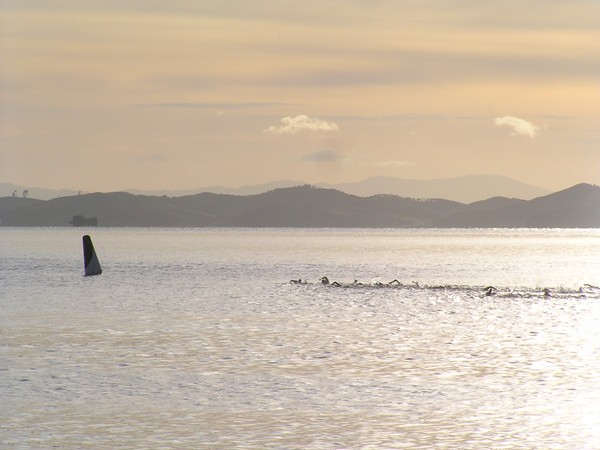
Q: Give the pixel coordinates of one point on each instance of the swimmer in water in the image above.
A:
(490, 290)
(325, 280)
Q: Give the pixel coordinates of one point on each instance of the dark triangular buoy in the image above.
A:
(90, 260)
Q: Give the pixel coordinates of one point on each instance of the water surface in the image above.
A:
(196, 339)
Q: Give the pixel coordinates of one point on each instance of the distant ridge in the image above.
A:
(7, 189)
(465, 189)
(307, 206)
(577, 206)
(243, 190)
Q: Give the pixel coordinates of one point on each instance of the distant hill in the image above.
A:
(7, 189)
(243, 190)
(11, 203)
(464, 189)
(306, 206)
(302, 206)
(578, 206)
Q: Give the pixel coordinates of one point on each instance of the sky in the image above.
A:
(105, 95)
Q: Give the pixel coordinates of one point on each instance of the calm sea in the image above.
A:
(195, 338)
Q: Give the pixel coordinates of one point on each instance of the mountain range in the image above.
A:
(306, 206)
(465, 189)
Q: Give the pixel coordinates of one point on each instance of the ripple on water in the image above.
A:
(200, 358)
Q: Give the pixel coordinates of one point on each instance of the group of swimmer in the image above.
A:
(487, 291)
(325, 281)
(491, 290)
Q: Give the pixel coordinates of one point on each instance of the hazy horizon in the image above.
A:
(466, 188)
(106, 96)
(243, 187)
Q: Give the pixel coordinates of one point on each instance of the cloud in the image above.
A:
(518, 126)
(324, 156)
(293, 125)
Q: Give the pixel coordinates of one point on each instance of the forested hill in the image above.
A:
(306, 206)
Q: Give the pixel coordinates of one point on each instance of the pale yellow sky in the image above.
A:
(108, 95)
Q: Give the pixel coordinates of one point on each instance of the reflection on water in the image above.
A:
(191, 356)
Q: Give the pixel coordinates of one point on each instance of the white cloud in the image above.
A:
(293, 125)
(518, 126)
